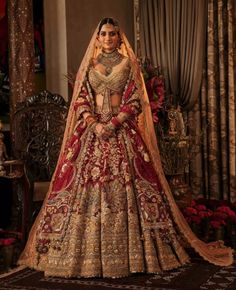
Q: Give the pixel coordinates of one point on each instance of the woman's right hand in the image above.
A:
(99, 129)
(101, 132)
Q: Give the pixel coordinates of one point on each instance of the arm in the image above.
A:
(130, 108)
(83, 107)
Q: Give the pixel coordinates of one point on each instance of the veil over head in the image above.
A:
(216, 252)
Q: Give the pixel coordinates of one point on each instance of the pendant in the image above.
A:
(108, 70)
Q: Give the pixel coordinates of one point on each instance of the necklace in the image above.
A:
(109, 60)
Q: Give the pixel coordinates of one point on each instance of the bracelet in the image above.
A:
(116, 123)
(110, 127)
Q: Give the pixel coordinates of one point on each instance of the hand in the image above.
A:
(108, 131)
(98, 129)
(106, 134)
(102, 131)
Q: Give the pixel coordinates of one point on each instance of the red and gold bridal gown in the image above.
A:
(108, 213)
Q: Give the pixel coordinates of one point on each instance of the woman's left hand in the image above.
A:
(105, 134)
(107, 131)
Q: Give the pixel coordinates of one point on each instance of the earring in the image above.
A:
(98, 44)
(119, 43)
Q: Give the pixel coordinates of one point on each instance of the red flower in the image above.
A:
(149, 89)
(156, 93)
(193, 203)
(155, 87)
(205, 214)
(189, 211)
(219, 216)
(196, 219)
(216, 224)
(7, 241)
(201, 210)
(225, 209)
(200, 207)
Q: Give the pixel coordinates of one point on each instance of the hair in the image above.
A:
(108, 20)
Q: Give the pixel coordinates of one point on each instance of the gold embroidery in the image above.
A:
(104, 234)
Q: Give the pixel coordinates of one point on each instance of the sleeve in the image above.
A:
(82, 103)
(83, 106)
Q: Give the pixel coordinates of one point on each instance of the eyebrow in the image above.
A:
(111, 31)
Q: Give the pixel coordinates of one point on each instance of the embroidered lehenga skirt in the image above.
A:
(107, 214)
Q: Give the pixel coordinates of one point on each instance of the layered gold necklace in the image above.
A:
(109, 60)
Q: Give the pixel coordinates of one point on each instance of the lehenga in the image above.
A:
(109, 211)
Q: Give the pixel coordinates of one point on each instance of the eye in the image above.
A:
(112, 33)
(103, 33)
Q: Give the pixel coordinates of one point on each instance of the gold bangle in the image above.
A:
(90, 120)
(110, 127)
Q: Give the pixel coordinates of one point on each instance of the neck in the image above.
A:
(105, 51)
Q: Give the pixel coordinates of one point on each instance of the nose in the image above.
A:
(107, 36)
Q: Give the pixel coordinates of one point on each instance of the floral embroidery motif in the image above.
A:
(107, 213)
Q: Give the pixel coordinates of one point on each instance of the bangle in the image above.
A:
(90, 120)
(110, 127)
(116, 122)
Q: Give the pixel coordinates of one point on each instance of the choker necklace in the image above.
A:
(109, 60)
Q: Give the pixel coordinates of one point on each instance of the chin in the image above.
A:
(108, 49)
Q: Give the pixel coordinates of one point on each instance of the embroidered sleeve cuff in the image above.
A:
(128, 110)
(116, 123)
(81, 104)
(119, 119)
(90, 120)
(81, 110)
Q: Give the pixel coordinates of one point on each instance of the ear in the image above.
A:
(98, 43)
(98, 39)
(119, 42)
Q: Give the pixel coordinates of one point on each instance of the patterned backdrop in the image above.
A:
(213, 170)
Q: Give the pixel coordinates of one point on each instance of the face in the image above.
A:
(108, 37)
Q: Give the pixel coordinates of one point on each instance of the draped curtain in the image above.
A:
(213, 170)
(172, 35)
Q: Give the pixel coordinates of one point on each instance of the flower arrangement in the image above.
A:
(8, 244)
(210, 216)
(155, 86)
(222, 216)
(6, 239)
(196, 213)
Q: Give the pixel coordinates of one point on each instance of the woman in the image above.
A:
(109, 211)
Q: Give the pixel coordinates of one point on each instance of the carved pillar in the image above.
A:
(21, 54)
(21, 50)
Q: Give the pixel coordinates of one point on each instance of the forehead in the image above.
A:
(108, 27)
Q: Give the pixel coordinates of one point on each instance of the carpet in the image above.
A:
(198, 275)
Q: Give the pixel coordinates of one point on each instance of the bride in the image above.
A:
(109, 211)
